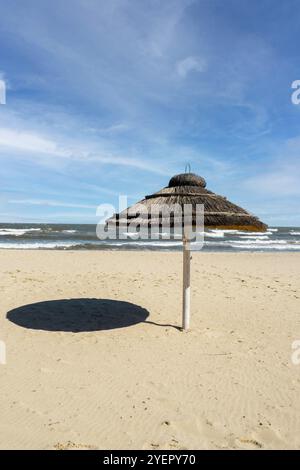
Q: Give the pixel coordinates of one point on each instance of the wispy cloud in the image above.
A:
(114, 128)
(2, 89)
(190, 64)
(28, 142)
(49, 203)
(33, 143)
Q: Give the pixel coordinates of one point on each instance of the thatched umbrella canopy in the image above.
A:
(187, 189)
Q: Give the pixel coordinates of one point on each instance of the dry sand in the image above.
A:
(106, 374)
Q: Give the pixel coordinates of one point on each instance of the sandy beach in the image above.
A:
(99, 363)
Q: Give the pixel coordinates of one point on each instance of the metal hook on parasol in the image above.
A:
(187, 168)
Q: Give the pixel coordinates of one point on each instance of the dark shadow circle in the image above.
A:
(78, 315)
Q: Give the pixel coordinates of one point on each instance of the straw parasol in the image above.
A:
(187, 189)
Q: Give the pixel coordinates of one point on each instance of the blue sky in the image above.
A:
(108, 98)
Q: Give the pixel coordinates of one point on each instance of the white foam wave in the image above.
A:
(131, 235)
(255, 237)
(214, 234)
(223, 231)
(17, 232)
(257, 241)
(272, 246)
(36, 245)
(146, 243)
(241, 232)
(257, 234)
(253, 245)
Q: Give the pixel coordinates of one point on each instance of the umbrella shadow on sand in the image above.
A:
(80, 315)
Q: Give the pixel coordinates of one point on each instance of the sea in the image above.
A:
(84, 237)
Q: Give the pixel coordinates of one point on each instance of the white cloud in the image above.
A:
(114, 128)
(190, 64)
(28, 143)
(2, 91)
(49, 203)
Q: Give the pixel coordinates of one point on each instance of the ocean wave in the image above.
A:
(257, 234)
(35, 245)
(255, 237)
(145, 243)
(287, 247)
(17, 232)
(82, 244)
(83, 237)
(252, 245)
(52, 231)
(258, 242)
(231, 245)
(214, 234)
(240, 232)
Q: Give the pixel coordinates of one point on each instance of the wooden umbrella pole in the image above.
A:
(186, 298)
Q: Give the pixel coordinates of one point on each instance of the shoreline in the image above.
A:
(165, 250)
